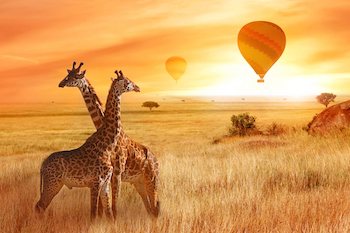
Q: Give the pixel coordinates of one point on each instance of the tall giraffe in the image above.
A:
(145, 175)
(76, 78)
(89, 165)
(140, 168)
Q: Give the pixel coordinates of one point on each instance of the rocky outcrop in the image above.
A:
(332, 118)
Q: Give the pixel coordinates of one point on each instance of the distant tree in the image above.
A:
(150, 105)
(325, 98)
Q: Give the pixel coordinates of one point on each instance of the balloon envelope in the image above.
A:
(261, 44)
(176, 67)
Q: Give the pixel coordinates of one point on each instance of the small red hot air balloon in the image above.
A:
(261, 44)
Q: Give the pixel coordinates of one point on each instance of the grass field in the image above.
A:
(287, 183)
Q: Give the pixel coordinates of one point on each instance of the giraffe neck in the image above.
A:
(112, 117)
(93, 105)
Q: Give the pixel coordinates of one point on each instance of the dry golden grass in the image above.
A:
(287, 183)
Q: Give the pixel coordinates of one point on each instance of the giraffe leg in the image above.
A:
(151, 181)
(51, 187)
(104, 196)
(152, 194)
(94, 193)
(141, 189)
(116, 183)
(100, 208)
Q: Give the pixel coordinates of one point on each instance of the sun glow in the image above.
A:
(297, 89)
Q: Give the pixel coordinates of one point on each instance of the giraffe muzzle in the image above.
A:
(61, 84)
(137, 89)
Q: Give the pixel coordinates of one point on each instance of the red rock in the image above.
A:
(334, 117)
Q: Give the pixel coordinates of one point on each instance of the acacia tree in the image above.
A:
(325, 98)
(150, 105)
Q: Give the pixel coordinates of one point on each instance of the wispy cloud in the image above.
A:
(16, 58)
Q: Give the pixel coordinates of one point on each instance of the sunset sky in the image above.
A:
(39, 42)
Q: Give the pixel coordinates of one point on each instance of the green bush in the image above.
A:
(243, 125)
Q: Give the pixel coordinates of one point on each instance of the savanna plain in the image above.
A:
(284, 182)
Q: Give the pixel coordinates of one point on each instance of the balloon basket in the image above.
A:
(261, 80)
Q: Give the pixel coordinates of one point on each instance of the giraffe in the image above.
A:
(76, 78)
(89, 165)
(145, 173)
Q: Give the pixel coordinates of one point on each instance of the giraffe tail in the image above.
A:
(38, 208)
(41, 182)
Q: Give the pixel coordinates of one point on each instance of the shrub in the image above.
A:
(243, 125)
(276, 129)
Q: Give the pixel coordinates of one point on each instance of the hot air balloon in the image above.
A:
(176, 67)
(261, 44)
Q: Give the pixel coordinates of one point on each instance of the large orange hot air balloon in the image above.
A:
(176, 67)
(261, 43)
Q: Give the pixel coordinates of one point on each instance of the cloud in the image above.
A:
(15, 58)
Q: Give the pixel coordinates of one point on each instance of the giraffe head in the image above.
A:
(122, 84)
(75, 77)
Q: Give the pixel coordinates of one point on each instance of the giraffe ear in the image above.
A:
(112, 79)
(83, 72)
(68, 70)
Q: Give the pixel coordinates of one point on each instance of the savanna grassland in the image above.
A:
(292, 182)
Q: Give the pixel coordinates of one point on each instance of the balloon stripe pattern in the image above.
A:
(261, 43)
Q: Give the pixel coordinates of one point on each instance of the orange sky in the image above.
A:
(39, 42)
